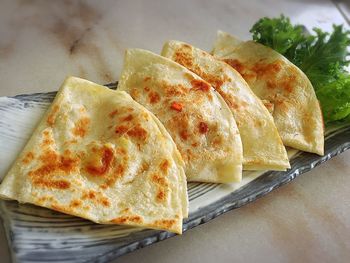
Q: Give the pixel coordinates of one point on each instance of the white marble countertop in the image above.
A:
(43, 41)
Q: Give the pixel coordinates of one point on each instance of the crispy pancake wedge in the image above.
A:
(262, 146)
(274, 78)
(195, 115)
(100, 155)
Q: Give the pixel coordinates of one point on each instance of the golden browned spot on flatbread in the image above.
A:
(54, 165)
(147, 79)
(269, 106)
(81, 127)
(111, 178)
(120, 130)
(75, 203)
(128, 118)
(135, 93)
(187, 155)
(217, 142)
(43, 199)
(200, 85)
(47, 139)
(247, 74)
(184, 58)
(188, 62)
(236, 64)
(57, 184)
(160, 196)
(96, 197)
(287, 83)
(270, 72)
(67, 143)
(134, 131)
(264, 69)
(138, 132)
(127, 219)
(164, 223)
(215, 81)
(105, 202)
(101, 163)
(203, 127)
(164, 166)
(153, 97)
(120, 151)
(184, 134)
(90, 194)
(28, 158)
(212, 79)
(159, 179)
(180, 122)
(162, 186)
(143, 167)
(118, 172)
(174, 90)
(52, 116)
(229, 99)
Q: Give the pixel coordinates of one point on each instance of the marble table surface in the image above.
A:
(43, 41)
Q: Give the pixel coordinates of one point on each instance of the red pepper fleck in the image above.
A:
(176, 106)
(203, 127)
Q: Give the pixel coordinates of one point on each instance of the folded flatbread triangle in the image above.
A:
(262, 146)
(284, 86)
(196, 116)
(100, 155)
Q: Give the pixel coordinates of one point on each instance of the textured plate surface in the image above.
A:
(41, 235)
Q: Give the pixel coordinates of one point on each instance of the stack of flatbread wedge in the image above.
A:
(125, 156)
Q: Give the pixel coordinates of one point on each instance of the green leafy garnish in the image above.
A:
(323, 57)
(277, 33)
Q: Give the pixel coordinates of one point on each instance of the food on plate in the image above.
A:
(323, 57)
(262, 146)
(100, 155)
(196, 116)
(296, 110)
(115, 158)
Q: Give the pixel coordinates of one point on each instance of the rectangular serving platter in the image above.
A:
(36, 234)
